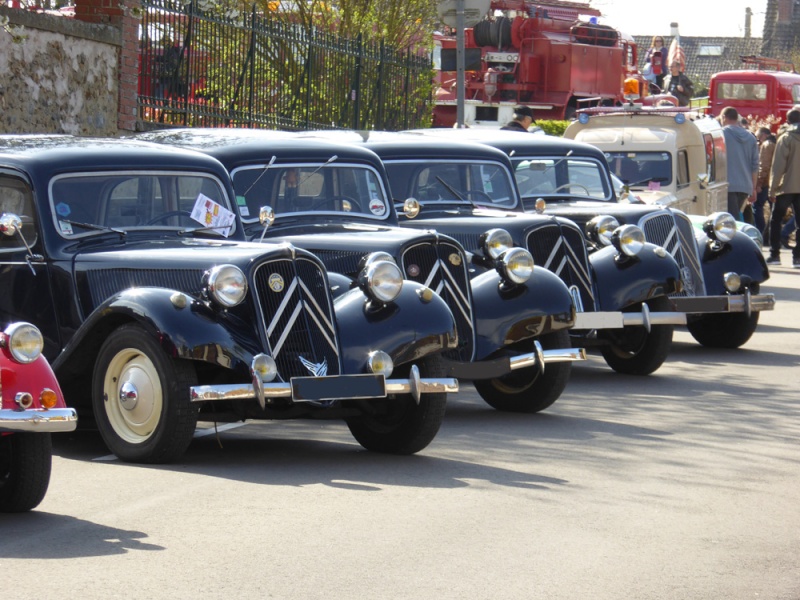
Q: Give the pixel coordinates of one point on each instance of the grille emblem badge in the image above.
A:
(276, 283)
(455, 259)
(318, 369)
(413, 270)
(688, 281)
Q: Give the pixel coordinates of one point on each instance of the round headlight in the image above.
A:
(720, 226)
(495, 242)
(628, 239)
(732, 282)
(601, 228)
(516, 265)
(227, 285)
(380, 363)
(381, 281)
(373, 257)
(24, 341)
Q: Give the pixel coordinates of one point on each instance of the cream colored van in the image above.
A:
(669, 156)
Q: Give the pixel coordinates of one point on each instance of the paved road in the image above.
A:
(681, 485)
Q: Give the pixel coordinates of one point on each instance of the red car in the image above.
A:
(31, 407)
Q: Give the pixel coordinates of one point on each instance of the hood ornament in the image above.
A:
(318, 369)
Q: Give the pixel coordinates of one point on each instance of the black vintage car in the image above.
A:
(332, 200)
(466, 190)
(156, 311)
(722, 269)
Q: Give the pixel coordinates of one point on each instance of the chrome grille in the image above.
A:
(674, 231)
(443, 268)
(340, 261)
(562, 250)
(297, 316)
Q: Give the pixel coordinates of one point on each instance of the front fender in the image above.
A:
(624, 281)
(741, 255)
(183, 327)
(416, 324)
(504, 316)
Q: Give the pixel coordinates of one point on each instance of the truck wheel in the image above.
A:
(637, 352)
(404, 427)
(25, 460)
(729, 330)
(529, 390)
(140, 398)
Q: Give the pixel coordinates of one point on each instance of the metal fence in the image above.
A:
(198, 69)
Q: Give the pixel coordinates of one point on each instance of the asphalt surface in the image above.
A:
(681, 485)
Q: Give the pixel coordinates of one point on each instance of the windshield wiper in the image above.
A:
(121, 232)
(212, 228)
(459, 195)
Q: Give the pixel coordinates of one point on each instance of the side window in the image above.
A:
(16, 198)
(796, 93)
(711, 166)
(683, 169)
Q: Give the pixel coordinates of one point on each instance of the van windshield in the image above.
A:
(750, 92)
(641, 169)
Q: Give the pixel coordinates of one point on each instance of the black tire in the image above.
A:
(529, 390)
(159, 426)
(729, 330)
(405, 428)
(636, 352)
(25, 462)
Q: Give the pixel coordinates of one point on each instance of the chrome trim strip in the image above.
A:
(38, 420)
(618, 320)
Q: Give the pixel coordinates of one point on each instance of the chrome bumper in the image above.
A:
(739, 303)
(618, 320)
(339, 387)
(542, 357)
(38, 420)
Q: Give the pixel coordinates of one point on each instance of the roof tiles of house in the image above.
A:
(707, 55)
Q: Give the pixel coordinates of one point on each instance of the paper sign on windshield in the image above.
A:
(213, 215)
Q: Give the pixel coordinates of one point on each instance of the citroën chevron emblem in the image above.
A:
(317, 370)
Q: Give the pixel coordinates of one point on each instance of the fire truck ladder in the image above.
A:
(763, 62)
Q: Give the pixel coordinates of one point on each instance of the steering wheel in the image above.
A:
(570, 185)
(334, 199)
(167, 215)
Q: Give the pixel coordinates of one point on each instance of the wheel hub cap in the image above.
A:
(128, 396)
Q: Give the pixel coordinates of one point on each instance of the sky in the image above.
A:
(696, 18)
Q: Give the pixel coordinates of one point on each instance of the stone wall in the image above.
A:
(62, 78)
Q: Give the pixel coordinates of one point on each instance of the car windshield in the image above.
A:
(83, 204)
(642, 169)
(562, 177)
(484, 184)
(303, 188)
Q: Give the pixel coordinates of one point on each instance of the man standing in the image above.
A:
(678, 84)
(766, 149)
(742, 150)
(784, 186)
(523, 118)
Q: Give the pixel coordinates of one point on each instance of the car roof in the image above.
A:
(47, 155)
(233, 146)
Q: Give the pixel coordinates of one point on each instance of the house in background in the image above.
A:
(707, 55)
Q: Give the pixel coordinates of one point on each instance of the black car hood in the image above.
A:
(582, 211)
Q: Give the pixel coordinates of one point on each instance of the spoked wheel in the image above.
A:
(25, 461)
(141, 398)
(635, 351)
(529, 390)
(403, 427)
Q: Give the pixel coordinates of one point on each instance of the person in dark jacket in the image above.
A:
(678, 84)
(523, 118)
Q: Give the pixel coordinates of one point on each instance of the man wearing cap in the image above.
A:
(523, 118)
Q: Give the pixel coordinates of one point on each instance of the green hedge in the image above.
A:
(555, 128)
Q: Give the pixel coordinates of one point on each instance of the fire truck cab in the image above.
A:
(767, 92)
(670, 156)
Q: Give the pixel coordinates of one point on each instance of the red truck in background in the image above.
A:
(766, 92)
(552, 56)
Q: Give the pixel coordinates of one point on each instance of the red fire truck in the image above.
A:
(551, 55)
